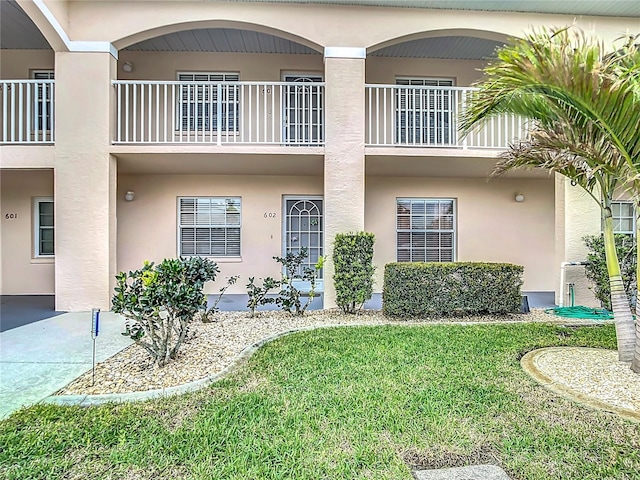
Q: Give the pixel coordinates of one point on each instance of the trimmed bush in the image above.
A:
(161, 301)
(596, 268)
(353, 277)
(462, 288)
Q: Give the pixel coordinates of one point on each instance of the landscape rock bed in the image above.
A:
(213, 346)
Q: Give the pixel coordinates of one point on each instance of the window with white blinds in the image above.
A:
(209, 226)
(424, 116)
(425, 230)
(43, 228)
(624, 220)
(42, 99)
(208, 102)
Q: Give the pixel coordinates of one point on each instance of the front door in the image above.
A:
(303, 228)
(303, 110)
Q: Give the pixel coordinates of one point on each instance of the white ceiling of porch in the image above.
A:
(448, 47)
(17, 30)
(221, 40)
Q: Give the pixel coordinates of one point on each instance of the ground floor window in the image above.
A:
(209, 226)
(43, 227)
(623, 217)
(425, 230)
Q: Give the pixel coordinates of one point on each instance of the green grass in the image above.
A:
(344, 403)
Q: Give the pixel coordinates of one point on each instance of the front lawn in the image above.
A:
(344, 403)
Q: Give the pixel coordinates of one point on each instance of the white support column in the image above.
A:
(344, 151)
(577, 215)
(85, 181)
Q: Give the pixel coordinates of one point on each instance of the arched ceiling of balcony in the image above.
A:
(222, 40)
(450, 47)
(455, 44)
(17, 30)
(218, 36)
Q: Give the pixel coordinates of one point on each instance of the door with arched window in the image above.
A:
(303, 228)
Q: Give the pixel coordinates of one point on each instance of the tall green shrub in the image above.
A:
(596, 268)
(161, 301)
(461, 288)
(353, 277)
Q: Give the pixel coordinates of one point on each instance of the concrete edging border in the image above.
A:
(239, 360)
(530, 366)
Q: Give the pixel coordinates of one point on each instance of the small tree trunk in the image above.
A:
(625, 334)
(635, 362)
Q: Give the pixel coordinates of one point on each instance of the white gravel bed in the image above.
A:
(213, 346)
(595, 373)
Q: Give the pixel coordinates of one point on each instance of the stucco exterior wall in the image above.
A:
(252, 67)
(147, 226)
(18, 64)
(322, 25)
(22, 272)
(491, 225)
(385, 70)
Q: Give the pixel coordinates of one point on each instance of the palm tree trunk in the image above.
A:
(625, 332)
(635, 362)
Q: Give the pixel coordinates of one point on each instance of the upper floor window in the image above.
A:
(209, 226)
(424, 116)
(43, 227)
(425, 230)
(207, 103)
(43, 96)
(623, 217)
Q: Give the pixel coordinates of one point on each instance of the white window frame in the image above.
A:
(616, 219)
(453, 230)
(181, 226)
(42, 101)
(204, 92)
(424, 122)
(37, 227)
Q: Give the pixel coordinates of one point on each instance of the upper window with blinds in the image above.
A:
(424, 116)
(425, 230)
(207, 104)
(209, 226)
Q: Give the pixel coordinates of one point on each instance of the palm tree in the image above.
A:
(585, 109)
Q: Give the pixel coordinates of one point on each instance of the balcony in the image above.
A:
(425, 116)
(27, 112)
(224, 113)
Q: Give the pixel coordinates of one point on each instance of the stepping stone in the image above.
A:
(472, 472)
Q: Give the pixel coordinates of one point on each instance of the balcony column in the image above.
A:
(344, 151)
(85, 181)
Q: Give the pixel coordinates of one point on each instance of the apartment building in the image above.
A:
(238, 130)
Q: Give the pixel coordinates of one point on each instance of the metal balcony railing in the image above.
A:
(425, 116)
(27, 108)
(270, 113)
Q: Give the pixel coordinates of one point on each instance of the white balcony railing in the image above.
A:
(399, 115)
(278, 113)
(27, 111)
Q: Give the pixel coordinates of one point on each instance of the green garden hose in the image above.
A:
(579, 311)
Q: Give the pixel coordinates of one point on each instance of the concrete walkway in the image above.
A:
(38, 359)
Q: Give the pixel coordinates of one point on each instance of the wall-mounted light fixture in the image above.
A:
(130, 195)
(518, 197)
(127, 67)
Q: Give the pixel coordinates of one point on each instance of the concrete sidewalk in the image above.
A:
(38, 359)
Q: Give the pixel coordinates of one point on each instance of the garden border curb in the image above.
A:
(530, 366)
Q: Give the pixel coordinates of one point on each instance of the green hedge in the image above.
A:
(353, 277)
(462, 288)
